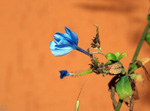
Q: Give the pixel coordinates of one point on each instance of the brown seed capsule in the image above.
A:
(115, 68)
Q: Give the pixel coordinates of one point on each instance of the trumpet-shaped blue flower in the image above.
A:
(64, 43)
(63, 73)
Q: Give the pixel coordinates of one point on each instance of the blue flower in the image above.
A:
(63, 73)
(64, 43)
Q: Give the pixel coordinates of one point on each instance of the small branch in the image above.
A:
(102, 53)
(111, 86)
(131, 104)
(113, 97)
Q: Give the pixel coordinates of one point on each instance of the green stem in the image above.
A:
(140, 42)
(119, 105)
(135, 56)
(139, 45)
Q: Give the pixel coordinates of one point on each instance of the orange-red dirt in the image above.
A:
(29, 73)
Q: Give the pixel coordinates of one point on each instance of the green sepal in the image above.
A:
(147, 39)
(123, 88)
(81, 73)
(122, 55)
(111, 56)
(86, 72)
(95, 60)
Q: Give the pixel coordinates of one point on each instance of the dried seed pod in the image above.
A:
(115, 68)
(96, 40)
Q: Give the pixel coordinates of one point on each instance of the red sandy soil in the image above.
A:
(29, 78)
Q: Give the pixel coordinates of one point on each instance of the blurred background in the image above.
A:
(29, 72)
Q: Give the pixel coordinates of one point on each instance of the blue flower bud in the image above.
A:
(63, 73)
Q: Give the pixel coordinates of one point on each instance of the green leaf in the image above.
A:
(133, 68)
(108, 63)
(124, 89)
(111, 56)
(148, 38)
(122, 55)
(117, 54)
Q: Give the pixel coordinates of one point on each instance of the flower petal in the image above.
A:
(59, 51)
(72, 34)
(58, 35)
(60, 39)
